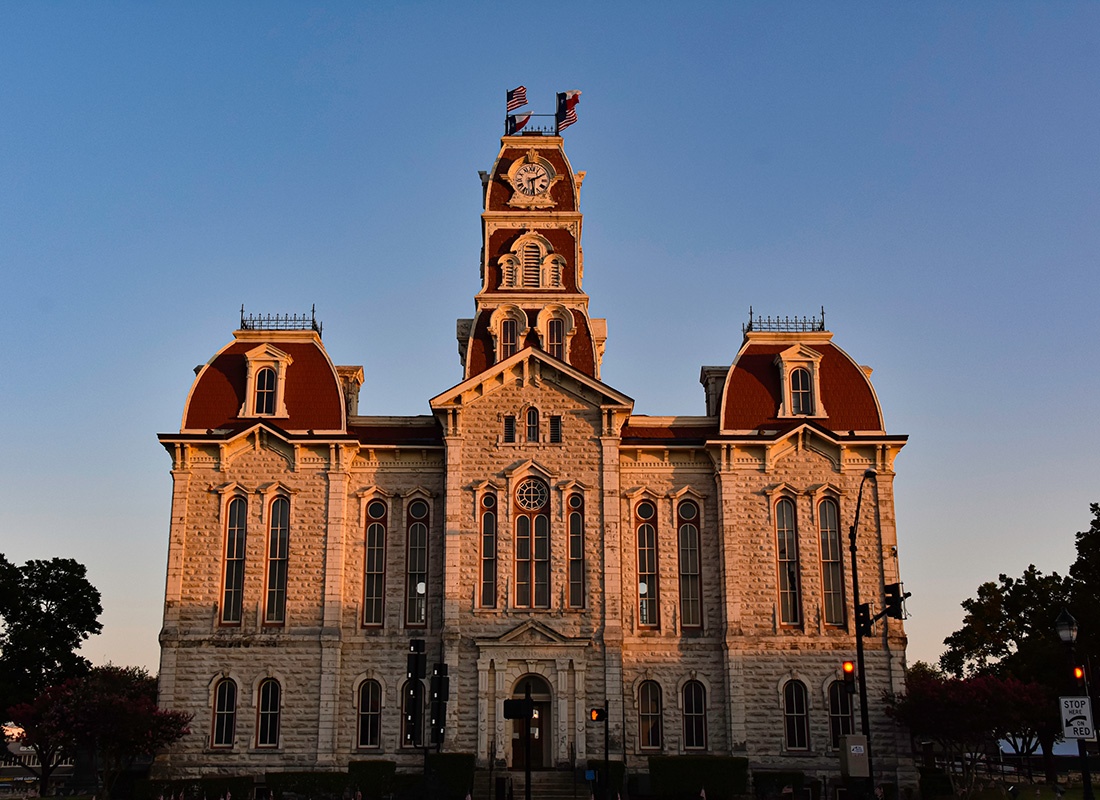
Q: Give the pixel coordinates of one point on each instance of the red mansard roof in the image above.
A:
(752, 394)
(313, 397)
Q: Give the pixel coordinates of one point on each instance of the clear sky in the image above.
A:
(928, 172)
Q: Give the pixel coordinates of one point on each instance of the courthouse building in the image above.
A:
(691, 571)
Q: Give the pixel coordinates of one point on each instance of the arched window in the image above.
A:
(225, 714)
(832, 571)
(508, 338)
(278, 552)
(555, 335)
(532, 512)
(576, 550)
(233, 592)
(649, 715)
(265, 391)
(370, 713)
(786, 536)
(416, 575)
(802, 396)
(645, 518)
(796, 718)
(489, 550)
(695, 716)
(532, 424)
(840, 712)
(374, 563)
(267, 723)
(412, 710)
(691, 590)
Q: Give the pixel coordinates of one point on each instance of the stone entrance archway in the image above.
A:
(538, 730)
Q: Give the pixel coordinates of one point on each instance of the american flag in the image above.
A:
(517, 98)
(567, 108)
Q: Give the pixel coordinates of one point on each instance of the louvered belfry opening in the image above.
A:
(531, 258)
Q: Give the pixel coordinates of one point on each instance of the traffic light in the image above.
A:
(863, 619)
(1079, 675)
(894, 600)
(848, 668)
(439, 692)
(413, 695)
(417, 662)
(597, 714)
(438, 720)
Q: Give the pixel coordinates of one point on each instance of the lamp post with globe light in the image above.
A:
(1066, 626)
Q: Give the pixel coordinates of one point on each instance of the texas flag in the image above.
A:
(567, 108)
(517, 121)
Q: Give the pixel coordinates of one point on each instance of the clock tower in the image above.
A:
(532, 265)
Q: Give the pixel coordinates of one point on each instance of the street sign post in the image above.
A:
(1076, 717)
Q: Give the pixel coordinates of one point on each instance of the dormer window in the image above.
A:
(555, 344)
(800, 382)
(802, 397)
(265, 390)
(555, 329)
(508, 325)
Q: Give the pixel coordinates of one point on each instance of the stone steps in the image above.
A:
(545, 785)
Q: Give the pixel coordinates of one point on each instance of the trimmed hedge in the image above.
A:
(212, 788)
(767, 784)
(312, 785)
(374, 777)
(451, 775)
(934, 782)
(676, 777)
(617, 768)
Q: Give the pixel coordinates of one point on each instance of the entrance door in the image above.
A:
(540, 737)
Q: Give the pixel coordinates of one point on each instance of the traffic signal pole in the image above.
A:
(864, 720)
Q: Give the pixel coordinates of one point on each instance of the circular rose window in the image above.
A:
(531, 494)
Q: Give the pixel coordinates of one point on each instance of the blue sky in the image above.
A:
(927, 172)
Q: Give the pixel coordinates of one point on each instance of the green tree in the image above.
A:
(47, 609)
(1084, 602)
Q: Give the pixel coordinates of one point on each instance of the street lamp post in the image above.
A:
(1066, 626)
(863, 715)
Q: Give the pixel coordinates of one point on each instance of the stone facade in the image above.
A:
(691, 572)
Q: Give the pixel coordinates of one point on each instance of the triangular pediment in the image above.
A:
(532, 366)
(532, 632)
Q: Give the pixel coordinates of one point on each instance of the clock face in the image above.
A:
(531, 179)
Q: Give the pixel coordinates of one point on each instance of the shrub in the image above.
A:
(677, 777)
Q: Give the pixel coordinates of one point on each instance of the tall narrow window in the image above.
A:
(267, 723)
(832, 573)
(555, 430)
(649, 715)
(507, 338)
(786, 535)
(412, 710)
(278, 553)
(532, 424)
(691, 591)
(695, 716)
(265, 391)
(234, 561)
(532, 544)
(556, 338)
(796, 717)
(374, 563)
(645, 517)
(576, 551)
(509, 429)
(840, 712)
(370, 713)
(489, 551)
(225, 714)
(802, 397)
(416, 577)
(532, 264)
